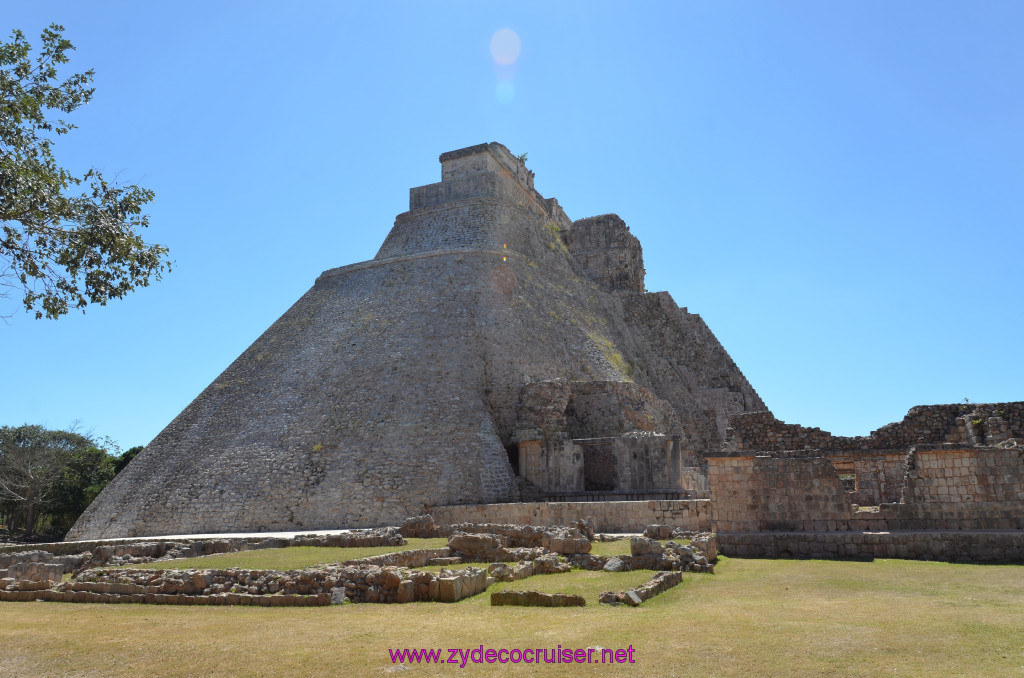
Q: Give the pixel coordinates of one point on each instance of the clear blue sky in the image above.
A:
(835, 187)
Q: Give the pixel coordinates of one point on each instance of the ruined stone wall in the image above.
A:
(878, 474)
(769, 494)
(952, 478)
(945, 488)
(647, 461)
(607, 253)
(554, 464)
(760, 431)
(612, 516)
(590, 409)
(948, 516)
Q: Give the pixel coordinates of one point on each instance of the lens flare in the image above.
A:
(505, 92)
(505, 46)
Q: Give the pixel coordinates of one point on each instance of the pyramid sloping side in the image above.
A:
(361, 401)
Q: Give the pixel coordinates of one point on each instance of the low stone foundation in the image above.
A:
(608, 516)
(161, 599)
(30, 566)
(74, 555)
(537, 599)
(659, 583)
(957, 547)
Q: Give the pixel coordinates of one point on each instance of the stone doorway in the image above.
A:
(599, 472)
(512, 451)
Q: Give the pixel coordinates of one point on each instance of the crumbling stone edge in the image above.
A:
(515, 552)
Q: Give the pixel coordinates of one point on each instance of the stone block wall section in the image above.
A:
(757, 494)
(956, 547)
(607, 252)
(360, 583)
(536, 599)
(613, 516)
(952, 479)
(30, 570)
(944, 516)
(877, 474)
(971, 424)
(946, 488)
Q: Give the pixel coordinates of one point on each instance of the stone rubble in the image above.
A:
(385, 578)
(659, 583)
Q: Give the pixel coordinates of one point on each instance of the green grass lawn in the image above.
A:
(297, 557)
(752, 618)
(291, 558)
(621, 547)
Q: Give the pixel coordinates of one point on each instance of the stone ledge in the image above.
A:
(983, 546)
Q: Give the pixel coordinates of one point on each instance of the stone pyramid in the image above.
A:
(461, 365)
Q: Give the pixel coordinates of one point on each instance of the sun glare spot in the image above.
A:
(505, 46)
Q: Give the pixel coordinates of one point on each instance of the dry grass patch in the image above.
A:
(752, 618)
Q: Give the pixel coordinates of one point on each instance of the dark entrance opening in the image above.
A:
(599, 474)
(513, 457)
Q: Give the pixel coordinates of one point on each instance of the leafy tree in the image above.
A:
(126, 457)
(32, 464)
(60, 250)
(86, 473)
(48, 478)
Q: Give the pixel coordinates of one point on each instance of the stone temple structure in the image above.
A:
(493, 351)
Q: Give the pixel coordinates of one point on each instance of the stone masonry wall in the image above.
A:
(946, 488)
(613, 516)
(592, 409)
(607, 252)
(963, 476)
(553, 464)
(878, 473)
(959, 547)
(770, 494)
(761, 431)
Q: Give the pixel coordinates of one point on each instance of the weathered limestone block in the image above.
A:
(448, 589)
(550, 564)
(566, 541)
(660, 532)
(639, 546)
(536, 599)
(660, 582)
(615, 565)
(707, 544)
(477, 547)
(420, 527)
